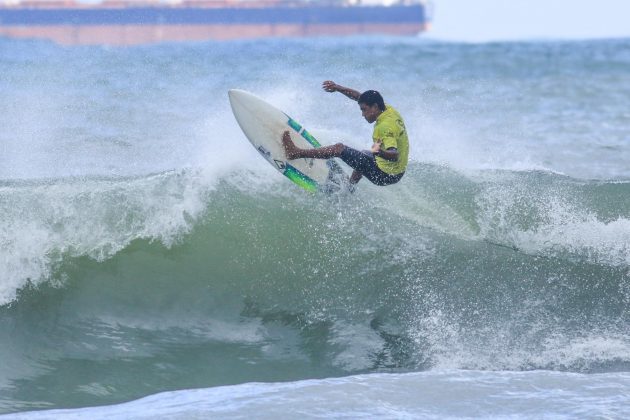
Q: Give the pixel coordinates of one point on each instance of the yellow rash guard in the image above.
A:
(390, 130)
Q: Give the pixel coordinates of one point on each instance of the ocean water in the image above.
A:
(152, 265)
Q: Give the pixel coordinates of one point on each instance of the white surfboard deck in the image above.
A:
(264, 124)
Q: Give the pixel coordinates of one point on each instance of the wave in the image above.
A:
(183, 277)
(538, 213)
(485, 270)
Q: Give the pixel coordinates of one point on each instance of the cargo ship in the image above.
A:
(120, 22)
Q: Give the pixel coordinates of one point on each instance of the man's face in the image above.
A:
(370, 113)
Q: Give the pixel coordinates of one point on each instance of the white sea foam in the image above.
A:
(440, 394)
(552, 221)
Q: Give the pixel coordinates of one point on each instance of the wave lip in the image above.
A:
(45, 223)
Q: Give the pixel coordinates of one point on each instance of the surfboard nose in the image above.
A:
(237, 95)
(243, 101)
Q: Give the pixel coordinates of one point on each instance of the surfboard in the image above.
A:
(264, 124)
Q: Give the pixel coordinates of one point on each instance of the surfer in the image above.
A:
(386, 162)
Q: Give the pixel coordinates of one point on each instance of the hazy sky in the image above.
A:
(483, 20)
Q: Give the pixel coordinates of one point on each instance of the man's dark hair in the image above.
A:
(371, 97)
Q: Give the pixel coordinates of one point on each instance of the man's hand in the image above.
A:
(390, 154)
(376, 147)
(330, 86)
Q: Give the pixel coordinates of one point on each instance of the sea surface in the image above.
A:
(153, 265)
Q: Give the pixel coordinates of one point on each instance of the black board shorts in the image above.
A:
(365, 163)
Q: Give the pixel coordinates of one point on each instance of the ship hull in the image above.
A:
(127, 26)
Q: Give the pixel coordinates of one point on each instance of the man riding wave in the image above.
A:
(386, 162)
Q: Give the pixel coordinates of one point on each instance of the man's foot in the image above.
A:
(290, 150)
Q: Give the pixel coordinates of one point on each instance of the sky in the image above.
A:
(497, 20)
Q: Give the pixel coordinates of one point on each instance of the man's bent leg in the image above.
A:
(294, 152)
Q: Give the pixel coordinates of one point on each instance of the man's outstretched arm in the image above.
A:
(330, 86)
